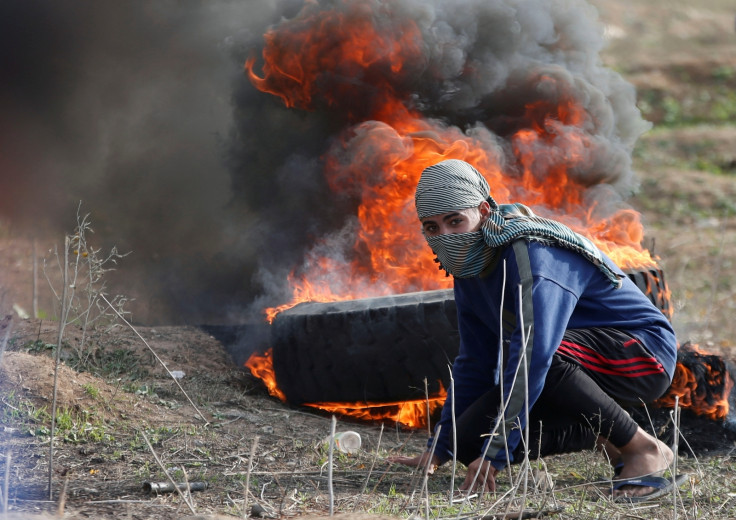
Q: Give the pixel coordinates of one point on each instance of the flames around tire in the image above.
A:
(381, 349)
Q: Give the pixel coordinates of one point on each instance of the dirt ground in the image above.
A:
(204, 428)
(103, 452)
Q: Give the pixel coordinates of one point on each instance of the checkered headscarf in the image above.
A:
(449, 186)
(453, 185)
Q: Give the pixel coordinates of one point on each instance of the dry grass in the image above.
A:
(103, 452)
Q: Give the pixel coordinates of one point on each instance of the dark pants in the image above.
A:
(592, 372)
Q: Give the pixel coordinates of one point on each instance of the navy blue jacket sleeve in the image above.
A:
(473, 371)
(543, 310)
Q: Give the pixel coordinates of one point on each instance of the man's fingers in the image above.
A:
(413, 461)
(481, 483)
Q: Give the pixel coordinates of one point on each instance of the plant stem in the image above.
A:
(62, 323)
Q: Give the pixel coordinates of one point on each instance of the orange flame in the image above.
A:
(412, 414)
(389, 253)
(708, 397)
(322, 45)
(261, 366)
(321, 61)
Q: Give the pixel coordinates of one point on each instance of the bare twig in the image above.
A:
(62, 497)
(524, 341)
(428, 465)
(329, 466)
(675, 449)
(122, 318)
(84, 278)
(187, 486)
(6, 487)
(35, 280)
(247, 475)
(373, 462)
(62, 324)
(168, 476)
(454, 436)
(6, 337)
(426, 400)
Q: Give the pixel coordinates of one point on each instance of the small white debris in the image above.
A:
(20, 311)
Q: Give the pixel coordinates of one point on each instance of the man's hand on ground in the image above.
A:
(417, 461)
(486, 480)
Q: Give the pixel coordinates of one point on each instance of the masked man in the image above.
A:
(552, 334)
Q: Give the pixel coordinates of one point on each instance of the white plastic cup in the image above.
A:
(346, 442)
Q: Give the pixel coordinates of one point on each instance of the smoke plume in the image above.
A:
(143, 112)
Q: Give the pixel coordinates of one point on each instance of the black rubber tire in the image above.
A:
(380, 349)
(652, 283)
(367, 350)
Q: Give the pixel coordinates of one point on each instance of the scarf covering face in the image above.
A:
(454, 185)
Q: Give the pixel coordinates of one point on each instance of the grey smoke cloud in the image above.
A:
(142, 111)
(127, 107)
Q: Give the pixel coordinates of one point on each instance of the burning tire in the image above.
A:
(381, 349)
(368, 350)
(651, 282)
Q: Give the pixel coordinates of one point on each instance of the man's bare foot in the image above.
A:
(643, 455)
(611, 453)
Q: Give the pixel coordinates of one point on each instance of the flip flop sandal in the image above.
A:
(662, 486)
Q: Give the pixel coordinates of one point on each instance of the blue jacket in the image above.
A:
(545, 290)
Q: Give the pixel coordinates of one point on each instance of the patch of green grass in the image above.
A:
(723, 109)
(711, 104)
(724, 73)
(91, 390)
(23, 414)
(119, 363)
(33, 420)
(38, 346)
(76, 427)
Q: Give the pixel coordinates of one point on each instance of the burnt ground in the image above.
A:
(680, 58)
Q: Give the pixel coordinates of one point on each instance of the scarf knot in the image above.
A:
(514, 221)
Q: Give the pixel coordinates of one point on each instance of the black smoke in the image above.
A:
(142, 111)
(128, 108)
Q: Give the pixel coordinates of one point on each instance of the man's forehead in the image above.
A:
(443, 216)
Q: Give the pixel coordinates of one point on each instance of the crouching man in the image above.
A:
(542, 313)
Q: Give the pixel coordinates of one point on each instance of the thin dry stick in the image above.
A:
(373, 462)
(501, 371)
(500, 420)
(4, 342)
(62, 497)
(2, 494)
(524, 341)
(188, 488)
(428, 464)
(35, 280)
(425, 488)
(426, 400)
(454, 435)
(675, 449)
(329, 467)
(163, 468)
(154, 355)
(247, 475)
(501, 387)
(6, 488)
(524, 471)
(62, 323)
